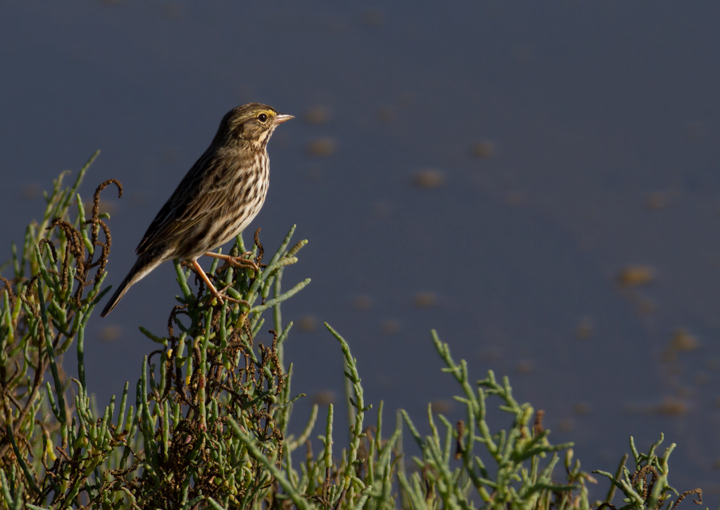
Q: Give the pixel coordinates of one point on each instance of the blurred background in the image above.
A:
(536, 180)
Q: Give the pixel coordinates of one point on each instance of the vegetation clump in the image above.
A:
(210, 424)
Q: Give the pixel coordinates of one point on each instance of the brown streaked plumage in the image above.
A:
(220, 195)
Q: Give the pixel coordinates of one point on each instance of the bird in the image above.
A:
(218, 197)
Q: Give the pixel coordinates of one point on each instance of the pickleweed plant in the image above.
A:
(210, 425)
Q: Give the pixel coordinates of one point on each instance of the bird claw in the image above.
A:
(244, 262)
(221, 296)
(240, 261)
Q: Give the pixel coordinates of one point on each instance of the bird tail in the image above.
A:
(141, 268)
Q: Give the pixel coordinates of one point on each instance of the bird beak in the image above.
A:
(282, 118)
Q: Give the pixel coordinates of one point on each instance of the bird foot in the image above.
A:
(220, 296)
(240, 261)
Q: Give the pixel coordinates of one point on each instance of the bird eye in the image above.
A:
(262, 117)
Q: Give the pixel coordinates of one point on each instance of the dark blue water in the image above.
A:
(604, 123)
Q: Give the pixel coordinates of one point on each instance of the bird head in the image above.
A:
(249, 125)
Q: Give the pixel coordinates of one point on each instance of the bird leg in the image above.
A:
(218, 295)
(240, 261)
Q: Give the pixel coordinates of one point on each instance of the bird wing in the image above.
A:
(200, 198)
(176, 220)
